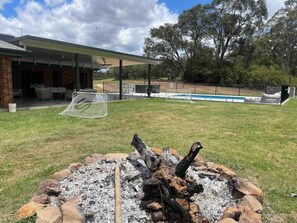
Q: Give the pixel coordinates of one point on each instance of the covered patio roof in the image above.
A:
(54, 52)
(8, 49)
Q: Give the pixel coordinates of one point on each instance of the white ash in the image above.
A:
(131, 188)
(95, 182)
(216, 196)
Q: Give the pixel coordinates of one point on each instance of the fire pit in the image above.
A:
(155, 186)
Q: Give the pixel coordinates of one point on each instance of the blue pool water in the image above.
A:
(212, 97)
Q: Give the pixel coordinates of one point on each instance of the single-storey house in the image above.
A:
(29, 62)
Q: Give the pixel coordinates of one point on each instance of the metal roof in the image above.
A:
(63, 53)
(11, 50)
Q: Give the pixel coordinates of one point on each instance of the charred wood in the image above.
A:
(150, 159)
(184, 164)
(168, 185)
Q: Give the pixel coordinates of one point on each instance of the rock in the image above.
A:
(194, 208)
(49, 214)
(60, 175)
(231, 212)
(74, 166)
(29, 209)
(243, 187)
(55, 201)
(70, 177)
(173, 152)
(154, 206)
(41, 199)
(115, 156)
(227, 220)
(50, 187)
(157, 216)
(62, 198)
(222, 170)
(133, 156)
(76, 200)
(249, 201)
(249, 216)
(94, 158)
(198, 161)
(71, 214)
(157, 151)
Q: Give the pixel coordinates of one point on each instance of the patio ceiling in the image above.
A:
(53, 52)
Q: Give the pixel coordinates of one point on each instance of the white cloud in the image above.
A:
(273, 6)
(4, 2)
(53, 3)
(120, 25)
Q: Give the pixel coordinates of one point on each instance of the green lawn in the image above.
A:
(258, 142)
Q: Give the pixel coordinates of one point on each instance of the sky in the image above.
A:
(120, 25)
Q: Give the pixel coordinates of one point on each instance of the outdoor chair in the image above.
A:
(44, 93)
(271, 98)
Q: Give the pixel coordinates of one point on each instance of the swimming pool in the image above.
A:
(206, 97)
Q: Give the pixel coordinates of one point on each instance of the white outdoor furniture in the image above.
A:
(44, 93)
(60, 91)
(271, 98)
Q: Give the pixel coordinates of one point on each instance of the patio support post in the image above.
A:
(149, 81)
(77, 76)
(121, 79)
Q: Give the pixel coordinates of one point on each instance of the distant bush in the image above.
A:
(102, 75)
(262, 75)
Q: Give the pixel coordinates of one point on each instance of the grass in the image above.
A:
(257, 141)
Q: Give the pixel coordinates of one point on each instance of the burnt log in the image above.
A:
(150, 159)
(183, 165)
(168, 185)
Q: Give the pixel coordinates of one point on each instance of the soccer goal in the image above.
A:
(179, 95)
(87, 105)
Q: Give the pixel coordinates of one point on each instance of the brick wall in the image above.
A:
(6, 91)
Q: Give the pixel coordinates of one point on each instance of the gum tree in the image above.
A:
(283, 36)
(227, 21)
(166, 42)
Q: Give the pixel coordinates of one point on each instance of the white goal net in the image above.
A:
(87, 105)
(180, 95)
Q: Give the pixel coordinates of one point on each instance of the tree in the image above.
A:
(262, 54)
(199, 56)
(166, 42)
(283, 35)
(190, 23)
(204, 39)
(227, 21)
